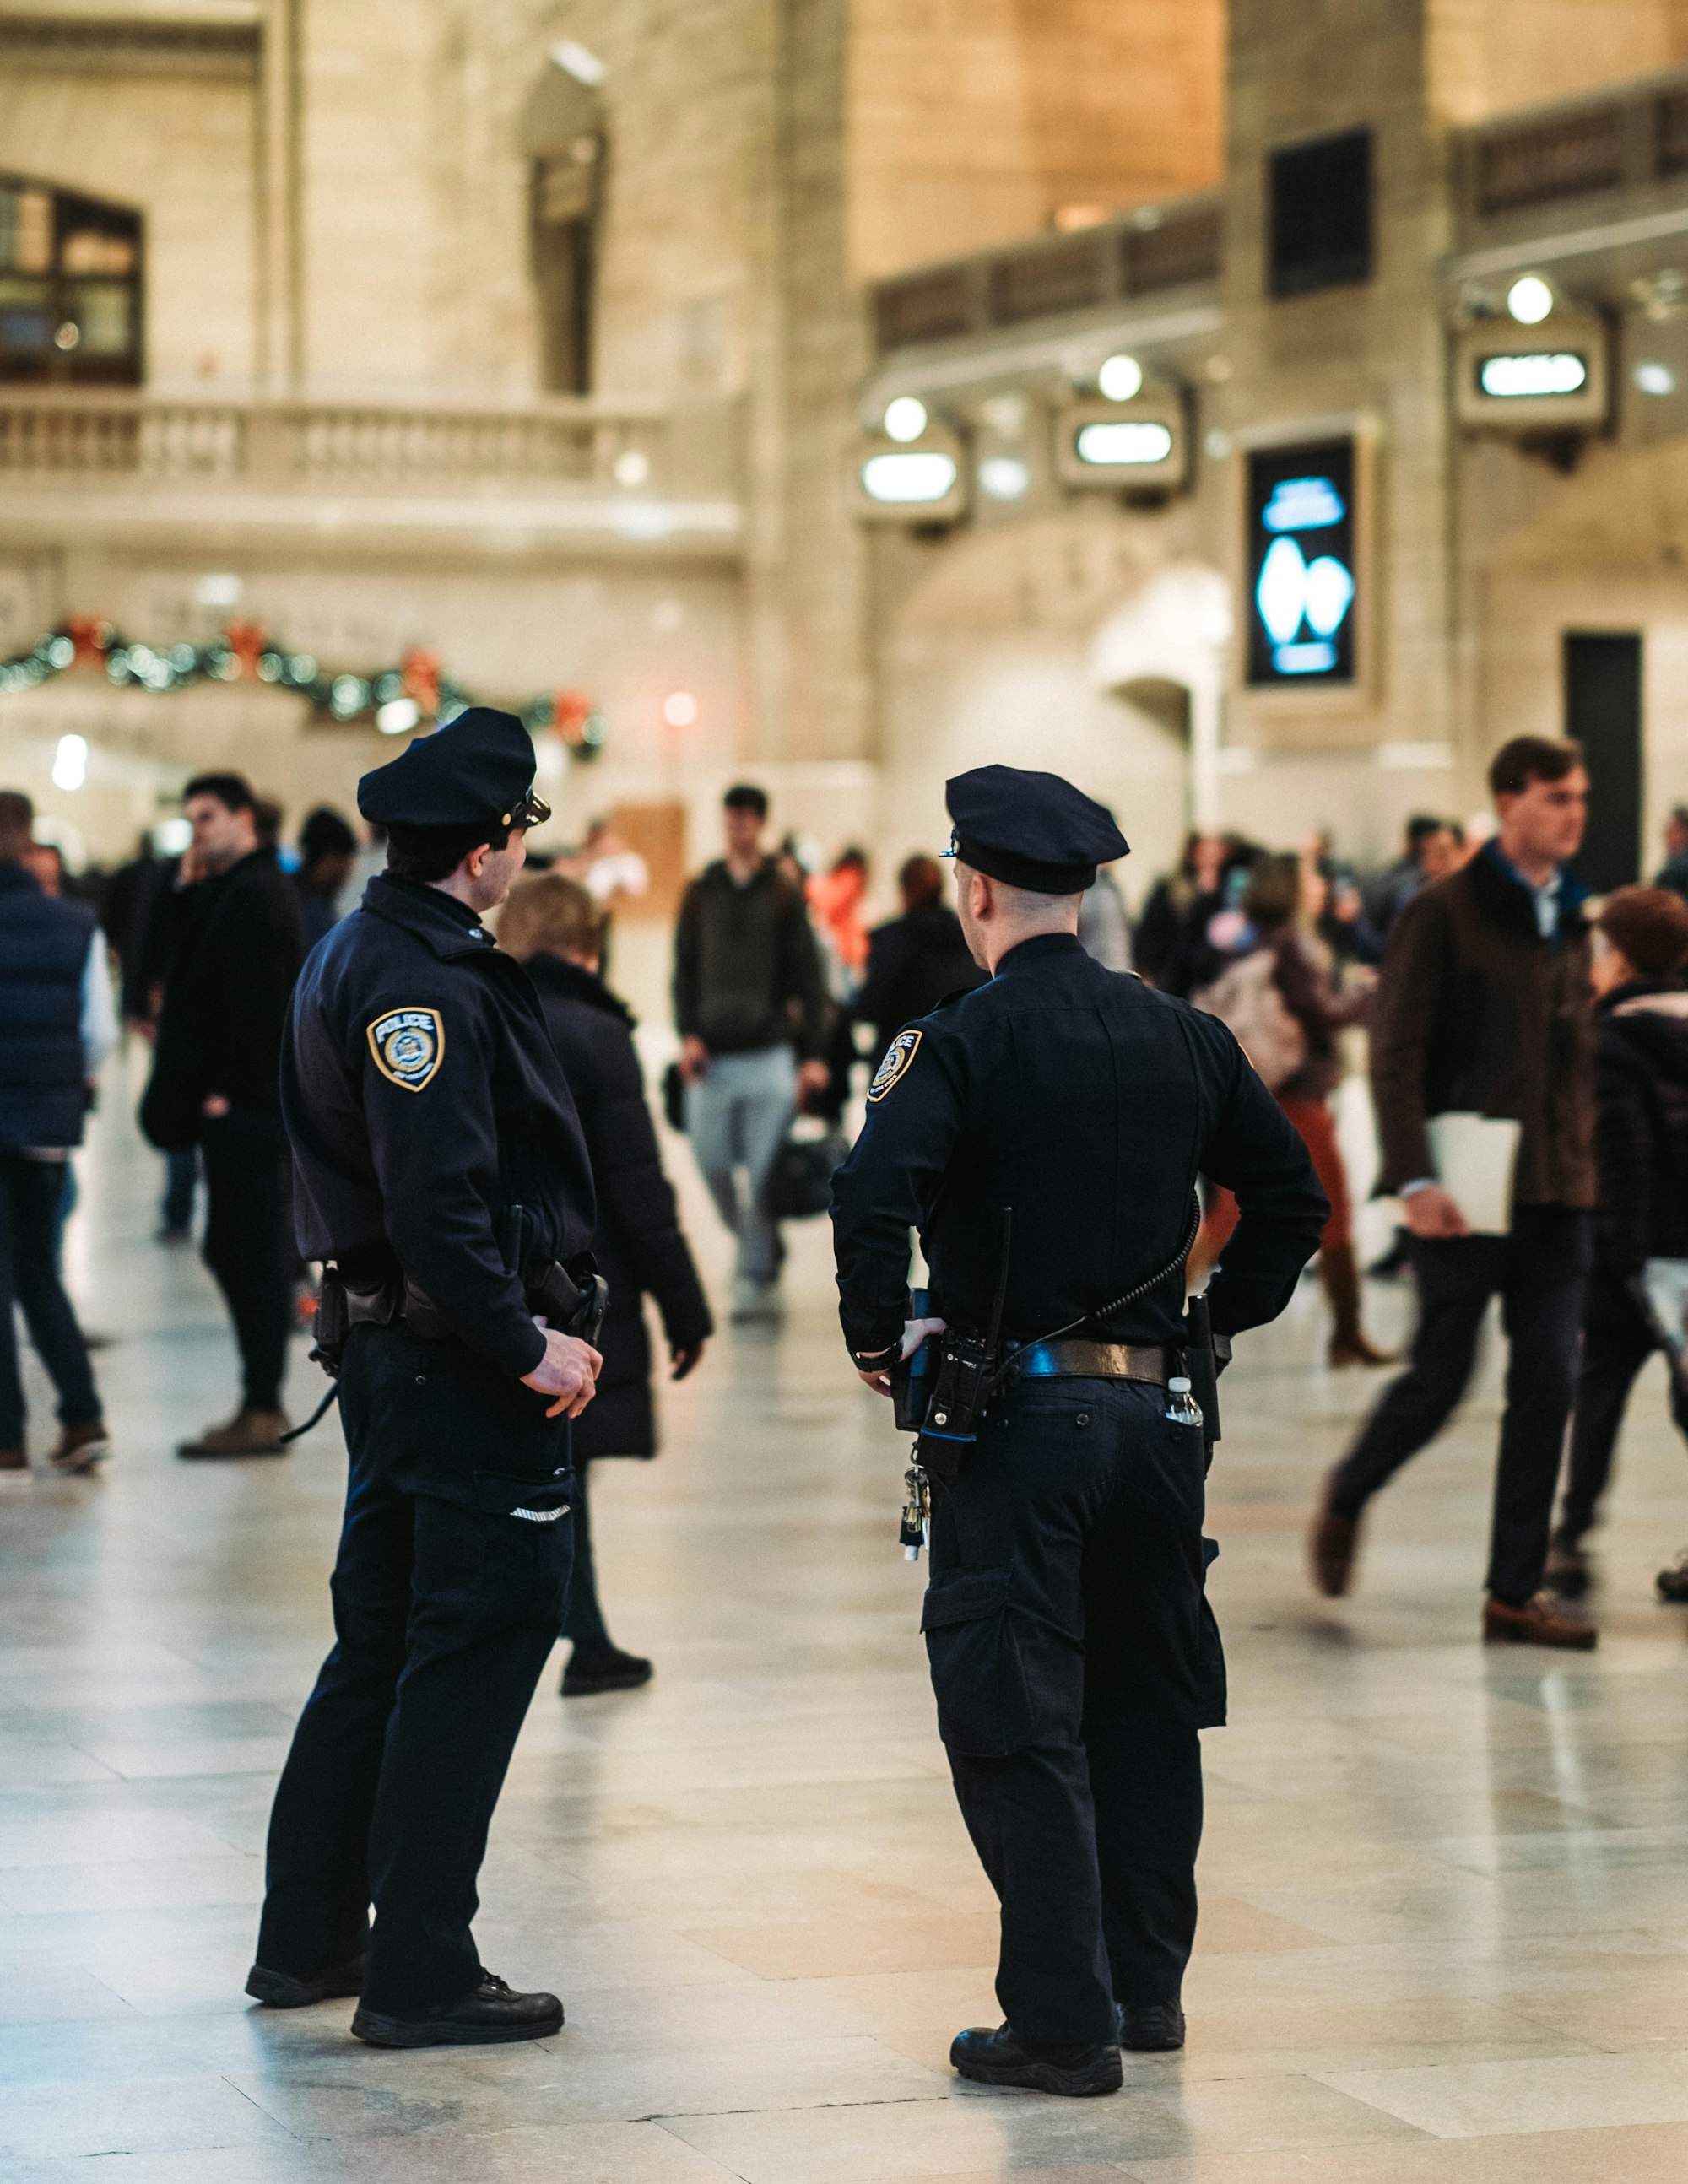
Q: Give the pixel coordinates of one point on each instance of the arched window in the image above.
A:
(70, 286)
(562, 133)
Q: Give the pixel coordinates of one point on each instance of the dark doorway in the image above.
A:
(1603, 711)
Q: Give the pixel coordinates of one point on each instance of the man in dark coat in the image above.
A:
(1642, 1139)
(55, 1011)
(913, 961)
(216, 1081)
(557, 929)
(1482, 1008)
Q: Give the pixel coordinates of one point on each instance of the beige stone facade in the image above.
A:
(348, 431)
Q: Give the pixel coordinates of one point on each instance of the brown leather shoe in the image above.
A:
(80, 1447)
(248, 1432)
(1539, 1621)
(1332, 1547)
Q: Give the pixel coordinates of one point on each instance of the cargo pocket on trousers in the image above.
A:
(1212, 1696)
(983, 1710)
(539, 1498)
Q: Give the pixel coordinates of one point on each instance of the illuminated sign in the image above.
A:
(1140, 446)
(914, 469)
(908, 480)
(1302, 583)
(1514, 378)
(1124, 444)
(1554, 377)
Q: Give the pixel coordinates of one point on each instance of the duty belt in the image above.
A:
(1072, 1359)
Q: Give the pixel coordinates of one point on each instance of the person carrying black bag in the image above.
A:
(555, 929)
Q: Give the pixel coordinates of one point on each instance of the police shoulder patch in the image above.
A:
(408, 1044)
(897, 1055)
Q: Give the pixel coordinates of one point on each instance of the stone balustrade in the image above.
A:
(119, 463)
(324, 443)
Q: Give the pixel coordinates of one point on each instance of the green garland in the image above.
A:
(244, 652)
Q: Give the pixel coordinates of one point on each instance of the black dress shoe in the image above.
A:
(1150, 2028)
(493, 2012)
(1003, 2058)
(604, 1669)
(282, 1991)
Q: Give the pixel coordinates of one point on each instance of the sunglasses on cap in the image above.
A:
(528, 810)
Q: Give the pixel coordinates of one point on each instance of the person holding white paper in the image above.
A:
(1482, 1016)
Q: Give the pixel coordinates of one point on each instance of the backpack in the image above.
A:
(1245, 999)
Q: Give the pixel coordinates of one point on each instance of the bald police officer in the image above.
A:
(1074, 1655)
(441, 1175)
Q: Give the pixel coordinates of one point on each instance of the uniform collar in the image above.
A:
(1041, 948)
(448, 927)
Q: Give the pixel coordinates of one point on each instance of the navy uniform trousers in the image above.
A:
(444, 1615)
(1074, 1658)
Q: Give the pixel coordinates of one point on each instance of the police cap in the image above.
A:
(1030, 830)
(479, 769)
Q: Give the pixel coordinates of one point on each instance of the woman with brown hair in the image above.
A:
(1279, 998)
(556, 928)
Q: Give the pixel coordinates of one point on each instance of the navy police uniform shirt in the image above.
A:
(1088, 1103)
(423, 1098)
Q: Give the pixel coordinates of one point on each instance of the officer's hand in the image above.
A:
(694, 1059)
(569, 1371)
(915, 1332)
(684, 1355)
(1431, 1213)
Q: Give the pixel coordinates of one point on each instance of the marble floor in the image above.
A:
(1445, 1931)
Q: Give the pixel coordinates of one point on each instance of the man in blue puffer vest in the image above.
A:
(56, 1023)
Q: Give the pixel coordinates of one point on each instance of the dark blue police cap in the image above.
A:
(1031, 830)
(479, 770)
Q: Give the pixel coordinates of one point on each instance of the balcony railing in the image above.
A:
(1142, 253)
(317, 446)
(1575, 160)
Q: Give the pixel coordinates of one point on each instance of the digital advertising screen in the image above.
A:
(1302, 575)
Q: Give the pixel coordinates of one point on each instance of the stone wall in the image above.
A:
(972, 121)
(1487, 56)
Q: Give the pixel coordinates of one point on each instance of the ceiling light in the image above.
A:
(632, 466)
(904, 418)
(1003, 477)
(1530, 299)
(398, 716)
(1655, 379)
(70, 762)
(680, 709)
(580, 62)
(1119, 378)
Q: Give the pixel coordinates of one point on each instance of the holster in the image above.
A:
(572, 1303)
(341, 1305)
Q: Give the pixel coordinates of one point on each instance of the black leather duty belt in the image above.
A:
(1075, 1360)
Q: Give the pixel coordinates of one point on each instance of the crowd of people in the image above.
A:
(1470, 962)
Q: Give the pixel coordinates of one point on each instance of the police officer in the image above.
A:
(441, 1174)
(1073, 1652)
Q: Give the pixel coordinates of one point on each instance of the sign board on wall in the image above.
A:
(1303, 604)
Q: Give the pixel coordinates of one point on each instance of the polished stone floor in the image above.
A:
(1444, 1933)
